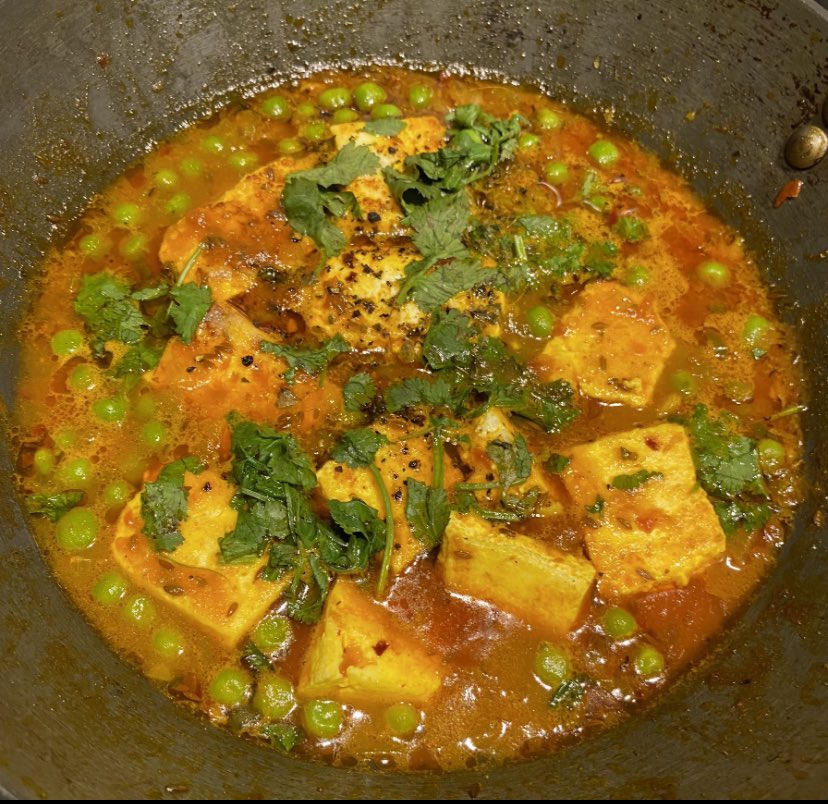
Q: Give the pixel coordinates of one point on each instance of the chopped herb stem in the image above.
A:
(382, 583)
(188, 266)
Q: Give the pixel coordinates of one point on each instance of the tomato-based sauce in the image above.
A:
(407, 420)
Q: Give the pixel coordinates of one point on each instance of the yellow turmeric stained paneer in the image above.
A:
(360, 653)
(398, 460)
(496, 425)
(381, 215)
(520, 575)
(656, 534)
(244, 231)
(226, 599)
(612, 345)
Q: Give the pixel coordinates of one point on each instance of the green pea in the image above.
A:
(314, 132)
(93, 245)
(637, 276)
(165, 179)
(145, 406)
(541, 321)
(419, 96)
(133, 467)
(345, 116)
(713, 274)
(77, 529)
(213, 144)
(466, 138)
(603, 153)
(178, 205)
(83, 377)
(243, 160)
(600, 202)
(140, 611)
(368, 95)
(306, 111)
(126, 214)
(323, 719)
(402, 719)
(548, 120)
(275, 107)
(75, 473)
(618, 623)
(552, 665)
(556, 172)
(335, 98)
(771, 455)
(683, 382)
(648, 661)
(528, 140)
(191, 167)
(44, 461)
(168, 643)
(230, 687)
(754, 332)
(133, 246)
(154, 433)
(110, 588)
(66, 342)
(64, 439)
(290, 146)
(274, 696)
(111, 410)
(385, 110)
(117, 493)
(272, 633)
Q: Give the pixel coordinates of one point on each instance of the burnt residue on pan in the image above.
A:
(714, 88)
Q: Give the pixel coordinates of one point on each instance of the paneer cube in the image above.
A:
(496, 425)
(243, 232)
(225, 599)
(611, 344)
(380, 211)
(520, 575)
(656, 534)
(398, 460)
(223, 368)
(361, 654)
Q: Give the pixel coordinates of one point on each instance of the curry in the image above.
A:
(407, 421)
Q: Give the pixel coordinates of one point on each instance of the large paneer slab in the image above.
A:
(611, 344)
(240, 235)
(518, 574)
(398, 460)
(360, 653)
(656, 534)
(381, 215)
(225, 599)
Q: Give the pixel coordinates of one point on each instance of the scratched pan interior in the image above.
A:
(77, 722)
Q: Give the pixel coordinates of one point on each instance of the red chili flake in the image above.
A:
(651, 443)
(103, 59)
(380, 647)
(646, 523)
(788, 192)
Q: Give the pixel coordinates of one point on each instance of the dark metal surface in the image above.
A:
(75, 721)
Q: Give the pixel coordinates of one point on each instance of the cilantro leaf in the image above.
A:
(448, 340)
(385, 127)
(632, 228)
(359, 392)
(106, 305)
(308, 359)
(164, 505)
(311, 195)
(358, 448)
(635, 480)
(597, 507)
(413, 391)
(512, 460)
(138, 359)
(556, 463)
(547, 404)
(53, 506)
(189, 305)
(283, 736)
(600, 259)
(427, 510)
(356, 518)
(432, 290)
